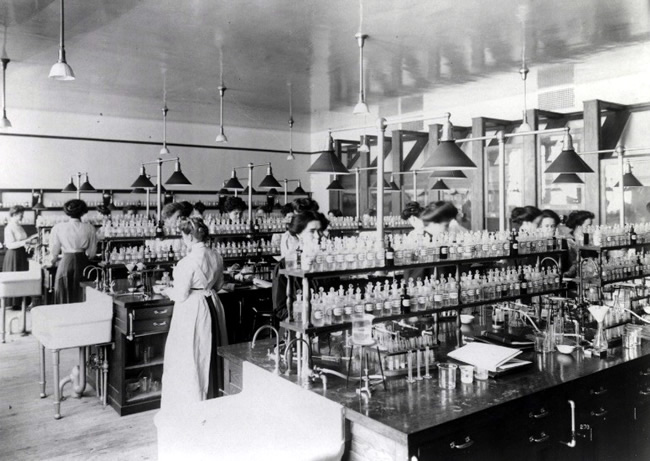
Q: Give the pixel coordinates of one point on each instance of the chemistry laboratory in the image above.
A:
(343, 230)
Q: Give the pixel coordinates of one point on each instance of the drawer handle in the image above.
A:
(461, 446)
(161, 324)
(645, 373)
(130, 331)
(645, 392)
(542, 414)
(601, 391)
(600, 413)
(543, 437)
(157, 312)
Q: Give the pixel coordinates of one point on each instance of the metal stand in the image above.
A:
(23, 330)
(365, 385)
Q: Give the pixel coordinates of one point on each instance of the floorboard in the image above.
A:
(87, 431)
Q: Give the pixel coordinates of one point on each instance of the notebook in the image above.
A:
(488, 356)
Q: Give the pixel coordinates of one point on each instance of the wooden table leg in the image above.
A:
(4, 318)
(41, 356)
(57, 388)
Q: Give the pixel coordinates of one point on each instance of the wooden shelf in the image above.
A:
(154, 363)
(143, 396)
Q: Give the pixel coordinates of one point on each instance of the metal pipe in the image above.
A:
(415, 185)
(286, 192)
(502, 180)
(250, 194)
(620, 151)
(148, 197)
(159, 191)
(381, 125)
(357, 178)
(78, 185)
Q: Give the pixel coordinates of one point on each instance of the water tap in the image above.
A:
(277, 345)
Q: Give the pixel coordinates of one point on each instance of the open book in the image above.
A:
(488, 356)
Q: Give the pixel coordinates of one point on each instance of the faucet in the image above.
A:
(98, 274)
(277, 345)
(287, 353)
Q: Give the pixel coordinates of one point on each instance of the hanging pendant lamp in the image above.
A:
(364, 148)
(143, 180)
(361, 107)
(269, 180)
(440, 185)
(4, 123)
(245, 191)
(523, 70)
(290, 156)
(61, 70)
(335, 185)
(568, 178)
(233, 183)
(447, 155)
(568, 161)
(178, 178)
(70, 187)
(299, 190)
(451, 174)
(221, 137)
(164, 150)
(328, 162)
(39, 203)
(86, 186)
(629, 180)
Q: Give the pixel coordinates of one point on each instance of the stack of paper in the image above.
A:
(488, 356)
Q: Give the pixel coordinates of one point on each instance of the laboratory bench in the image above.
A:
(523, 415)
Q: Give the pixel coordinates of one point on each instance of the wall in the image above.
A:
(116, 165)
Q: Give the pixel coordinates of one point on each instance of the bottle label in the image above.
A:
(395, 303)
(329, 259)
(358, 309)
(348, 310)
(318, 314)
(390, 255)
(437, 298)
(406, 303)
(515, 246)
(369, 307)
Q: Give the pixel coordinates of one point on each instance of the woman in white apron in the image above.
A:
(191, 368)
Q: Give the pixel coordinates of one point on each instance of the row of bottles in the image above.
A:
(49, 221)
(616, 267)
(364, 251)
(338, 306)
(616, 235)
(173, 250)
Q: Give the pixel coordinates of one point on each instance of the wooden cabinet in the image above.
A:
(232, 377)
(136, 362)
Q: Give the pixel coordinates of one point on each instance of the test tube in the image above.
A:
(426, 363)
(418, 355)
(409, 359)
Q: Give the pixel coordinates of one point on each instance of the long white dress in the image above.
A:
(189, 343)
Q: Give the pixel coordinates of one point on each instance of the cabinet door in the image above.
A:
(482, 442)
(639, 390)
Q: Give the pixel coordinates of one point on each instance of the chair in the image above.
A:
(16, 285)
(66, 326)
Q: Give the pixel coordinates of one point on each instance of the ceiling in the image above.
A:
(125, 53)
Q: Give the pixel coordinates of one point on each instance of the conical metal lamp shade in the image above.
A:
(335, 185)
(70, 187)
(448, 156)
(300, 191)
(269, 181)
(178, 179)
(440, 185)
(386, 185)
(394, 187)
(568, 178)
(233, 183)
(39, 205)
(139, 190)
(245, 191)
(568, 161)
(143, 182)
(451, 174)
(328, 162)
(4, 122)
(86, 186)
(629, 180)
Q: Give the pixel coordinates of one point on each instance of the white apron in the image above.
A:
(188, 348)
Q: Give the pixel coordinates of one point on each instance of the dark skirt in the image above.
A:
(216, 363)
(69, 275)
(15, 261)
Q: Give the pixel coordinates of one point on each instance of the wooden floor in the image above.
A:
(28, 430)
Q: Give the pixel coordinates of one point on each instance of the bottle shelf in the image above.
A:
(611, 248)
(171, 263)
(143, 396)
(601, 282)
(312, 330)
(446, 262)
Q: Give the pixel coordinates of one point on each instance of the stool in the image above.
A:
(16, 285)
(364, 382)
(75, 325)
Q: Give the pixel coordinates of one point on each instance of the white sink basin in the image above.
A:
(61, 326)
(16, 284)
